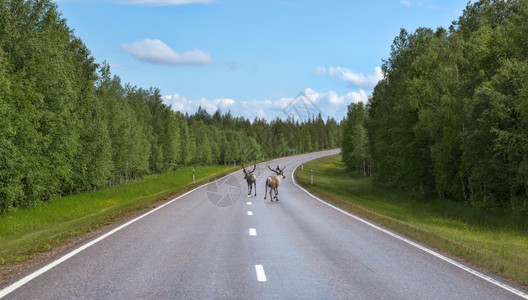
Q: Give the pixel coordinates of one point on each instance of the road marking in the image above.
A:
(53, 264)
(261, 276)
(48, 267)
(249, 203)
(252, 232)
(250, 213)
(403, 239)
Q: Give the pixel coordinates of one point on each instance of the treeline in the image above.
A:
(224, 139)
(67, 125)
(451, 114)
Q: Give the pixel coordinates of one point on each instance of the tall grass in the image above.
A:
(494, 240)
(25, 233)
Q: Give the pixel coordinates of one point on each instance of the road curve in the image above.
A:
(214, 242)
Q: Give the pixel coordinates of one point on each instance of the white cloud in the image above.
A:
(320, 70)
(356, 79)
(178, 103)
(360, 96)
(327, 103)
(334, 105)
(155, 51)
(181, 103)
(406, 2)
(161, 2)
(224, 102)
(352, 79)
(333, 99)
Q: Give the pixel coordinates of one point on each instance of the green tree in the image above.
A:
(354, 137)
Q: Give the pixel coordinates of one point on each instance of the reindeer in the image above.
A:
(251, 179)
(273, 182)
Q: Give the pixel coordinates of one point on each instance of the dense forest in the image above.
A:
(67, 125)
(450, 115)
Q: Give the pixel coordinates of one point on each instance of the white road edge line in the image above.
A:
(250, 213)
(438, 255)
(261, 276)
(6, 291)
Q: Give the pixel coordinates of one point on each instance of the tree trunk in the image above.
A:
(364, 167)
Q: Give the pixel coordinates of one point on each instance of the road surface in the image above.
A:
(216, 243)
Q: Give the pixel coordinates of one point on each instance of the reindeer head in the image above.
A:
(278, 171)
(248, 173)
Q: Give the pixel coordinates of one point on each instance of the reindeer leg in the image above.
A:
(255, 188)
(266, 190)
(249, 190)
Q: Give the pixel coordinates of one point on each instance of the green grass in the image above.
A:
(26, 233)
(495, 241)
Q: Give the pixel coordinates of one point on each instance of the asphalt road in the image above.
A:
(216, 243)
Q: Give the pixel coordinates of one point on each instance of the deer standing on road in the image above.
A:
(273, 182)
(251, 179)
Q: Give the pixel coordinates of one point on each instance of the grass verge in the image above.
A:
(497, 242)
(27, 233)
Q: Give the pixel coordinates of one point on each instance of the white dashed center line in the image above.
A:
(252, 232)
(249, 203)
(250, 213)
(261, 276)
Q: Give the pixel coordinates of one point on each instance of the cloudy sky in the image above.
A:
(253, 57)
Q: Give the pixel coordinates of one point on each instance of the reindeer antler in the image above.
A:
(254, 167)
(276, 172)
(243, 169)
(279, 170)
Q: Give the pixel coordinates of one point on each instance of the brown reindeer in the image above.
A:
(251, 179)
(273, 182)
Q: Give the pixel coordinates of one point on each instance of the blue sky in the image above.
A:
(252, 57)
